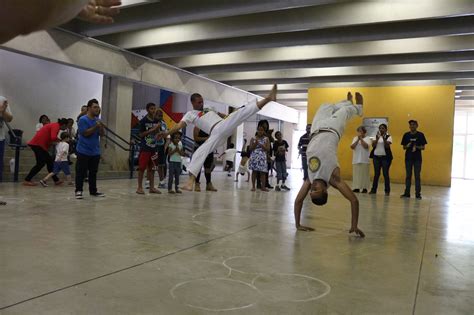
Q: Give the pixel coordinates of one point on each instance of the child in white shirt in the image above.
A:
(60, 162)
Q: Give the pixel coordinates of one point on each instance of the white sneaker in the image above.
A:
(79, 195)
(147, 184)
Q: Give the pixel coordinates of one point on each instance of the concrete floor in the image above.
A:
(233, 251)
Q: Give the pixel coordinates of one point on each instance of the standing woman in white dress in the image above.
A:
(360, 161)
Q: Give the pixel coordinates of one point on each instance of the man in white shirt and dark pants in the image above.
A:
(213, 124)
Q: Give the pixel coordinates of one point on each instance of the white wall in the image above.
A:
(35, 87)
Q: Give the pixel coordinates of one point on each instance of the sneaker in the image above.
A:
(277, 188)
(178, 191)
(171, 192)
(162, 185)
(269, 186)
(285, 187)
(97, 194)
(418, 197)
(79, 195)
(228, 174)
(355, 190)
(405, 196)
(147, 184)
(197, 187)
(43, 183)
(364, 191)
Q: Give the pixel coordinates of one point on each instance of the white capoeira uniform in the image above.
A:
(326, 131)
(217, 128)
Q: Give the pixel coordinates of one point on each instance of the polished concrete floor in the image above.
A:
(234, 252)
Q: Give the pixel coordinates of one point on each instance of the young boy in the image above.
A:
(229, 159)
(175, 152)
(280, 147)
(60, 162)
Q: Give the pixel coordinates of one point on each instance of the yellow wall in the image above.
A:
(431, 106)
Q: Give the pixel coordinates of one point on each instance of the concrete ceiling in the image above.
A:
(302, 43)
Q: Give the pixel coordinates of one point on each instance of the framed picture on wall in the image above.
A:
(372, 125)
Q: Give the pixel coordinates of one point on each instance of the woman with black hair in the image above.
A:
(268, 132)
(382, 158)
(43, 120)
(40, 144)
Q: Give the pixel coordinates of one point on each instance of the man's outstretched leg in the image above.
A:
(222, 130)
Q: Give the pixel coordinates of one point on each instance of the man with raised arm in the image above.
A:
(323, 168)
(218, 126)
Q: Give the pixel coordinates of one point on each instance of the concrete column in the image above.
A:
(117, 97)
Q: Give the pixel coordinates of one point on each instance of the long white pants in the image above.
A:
(221, 131)
(335, 116)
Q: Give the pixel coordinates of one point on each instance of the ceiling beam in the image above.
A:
(165, 13)
(312, 52)
(394, 30)
(307, 18)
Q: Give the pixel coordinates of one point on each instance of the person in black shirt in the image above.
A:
(280, 147)
(302, 145)
(413, 143)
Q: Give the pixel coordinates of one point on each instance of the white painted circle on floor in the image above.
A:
(12, 200)
(216, 294)
(283, 287)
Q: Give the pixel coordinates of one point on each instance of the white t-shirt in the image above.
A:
(39, 126)
(230, 154)
(62, 150)
(360, 155)
(203, 120)
(380, 148)
(322, 156)
(3, 127)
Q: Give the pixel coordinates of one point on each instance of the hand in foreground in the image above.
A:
(100, 11)
(304, 228)
(357, 232)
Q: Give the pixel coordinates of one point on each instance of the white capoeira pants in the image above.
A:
(220, 132)
(335, 116)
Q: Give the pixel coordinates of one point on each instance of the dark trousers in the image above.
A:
(207, 166)
(2, 152)
(416, 166)
(85, 164)
(304, 162)
(42, 158)
(174, 172)
(381, 162)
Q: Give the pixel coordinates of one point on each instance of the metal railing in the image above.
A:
(129, 146)
(18, 147)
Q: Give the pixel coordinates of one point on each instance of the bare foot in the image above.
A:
(359, 99)
(264, 189)
(140, 191)
(253, 189)
(154, 191)
(273, 93)
(188, 186)
(349, 97)
(304, 228)
(357, 232)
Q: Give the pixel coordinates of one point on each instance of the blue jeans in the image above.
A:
(2, 152)
(409, 166)
(174, 172)
(281, 170)
(381, 162)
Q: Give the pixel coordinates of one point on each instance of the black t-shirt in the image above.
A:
(280, 155)
(201, 134)
(417, 139)
(303, 143)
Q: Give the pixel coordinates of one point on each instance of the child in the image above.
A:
(229, 159)
(60, 162)
(175, 152)
(258, 158)
(280, 147)
(244, 163)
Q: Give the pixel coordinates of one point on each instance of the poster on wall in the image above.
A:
(372, 125)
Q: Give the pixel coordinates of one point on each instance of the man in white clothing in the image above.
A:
(218, 127)
(323, 169)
